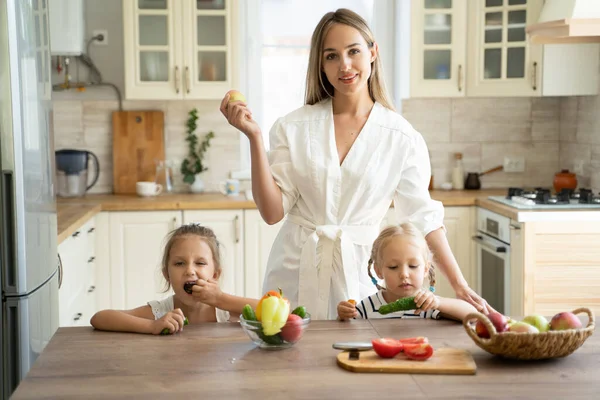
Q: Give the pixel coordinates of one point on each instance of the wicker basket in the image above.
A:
(530, 346)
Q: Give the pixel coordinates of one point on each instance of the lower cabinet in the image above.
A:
(228, 226)
(136, 242)
(77, 292)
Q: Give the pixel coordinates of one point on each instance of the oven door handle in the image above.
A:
(497, 249)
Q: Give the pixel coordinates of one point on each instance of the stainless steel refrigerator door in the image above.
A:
(28, 325)
(28, 249)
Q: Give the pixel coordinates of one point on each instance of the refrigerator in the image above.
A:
(29, 261)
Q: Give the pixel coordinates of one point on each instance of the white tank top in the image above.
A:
(161, 307)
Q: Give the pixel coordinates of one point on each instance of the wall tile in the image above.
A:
(442, 159)
(545, 119)
(431, 117)
(67, 119)
(568, 119)
(588, 124)
(491, 120)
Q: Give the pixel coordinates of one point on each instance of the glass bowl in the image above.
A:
(275, 342)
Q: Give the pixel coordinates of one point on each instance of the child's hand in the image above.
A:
(426, 300)
(207, 291)
(173, 321)
(346, 310)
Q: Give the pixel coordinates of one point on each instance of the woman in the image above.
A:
(334, 168)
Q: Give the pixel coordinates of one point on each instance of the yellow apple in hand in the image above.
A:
(235, 95)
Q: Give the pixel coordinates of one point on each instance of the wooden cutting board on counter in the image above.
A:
(444, 361)
(138, 141)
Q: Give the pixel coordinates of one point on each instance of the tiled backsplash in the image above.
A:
(550, 133)
(88, 125)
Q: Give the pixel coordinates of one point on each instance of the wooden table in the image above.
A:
(218, 361)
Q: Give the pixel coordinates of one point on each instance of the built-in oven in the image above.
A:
(492, 243)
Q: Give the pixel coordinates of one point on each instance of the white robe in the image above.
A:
(334, 212)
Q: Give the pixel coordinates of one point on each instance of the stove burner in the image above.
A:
(541, 195)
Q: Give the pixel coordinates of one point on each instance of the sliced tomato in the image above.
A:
(418, 351)
(386, 347)
(414, 340)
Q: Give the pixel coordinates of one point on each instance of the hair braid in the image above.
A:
(379, 287)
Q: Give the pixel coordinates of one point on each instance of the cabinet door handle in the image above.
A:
(187, 79)
(60, 272)
(177, 79)
(534, 76)
(76, 234)
(459, 77)
(91, 259)
(236, 222)
(77, 316)
(91, 230)
(91, 289)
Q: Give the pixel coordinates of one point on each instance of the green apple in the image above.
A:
(539, 321)
(235, 95)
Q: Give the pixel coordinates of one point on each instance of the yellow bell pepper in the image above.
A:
(274, 312)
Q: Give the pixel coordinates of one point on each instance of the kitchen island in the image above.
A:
(219, 361)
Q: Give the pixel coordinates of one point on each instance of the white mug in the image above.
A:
(147, 189)
(231, 187)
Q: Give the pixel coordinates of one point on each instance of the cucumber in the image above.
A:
(404, 304)
(248, 313)
(300, 311)
(166, 331)
(273, 339)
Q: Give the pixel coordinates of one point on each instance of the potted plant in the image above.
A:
(192, 166)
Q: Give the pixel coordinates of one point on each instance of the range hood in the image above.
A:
(567, 21)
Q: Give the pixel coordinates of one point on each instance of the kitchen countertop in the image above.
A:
(73, 212)
(215, 360)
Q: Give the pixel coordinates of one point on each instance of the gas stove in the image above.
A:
(542, 198)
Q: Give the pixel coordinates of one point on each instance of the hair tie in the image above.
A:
(374, 281)
(432, 289)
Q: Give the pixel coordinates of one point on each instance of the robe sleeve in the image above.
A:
(412, 201)
(281, 166)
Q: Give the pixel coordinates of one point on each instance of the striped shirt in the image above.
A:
(368, 308)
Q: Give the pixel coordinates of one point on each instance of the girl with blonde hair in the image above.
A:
(334, 167)
(400, 257)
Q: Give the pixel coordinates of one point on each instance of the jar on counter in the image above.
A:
(458, 172)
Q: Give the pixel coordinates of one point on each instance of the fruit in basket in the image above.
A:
(564, 320)
(499, 321)
(523, 327)
(539, 321)
(292, 331)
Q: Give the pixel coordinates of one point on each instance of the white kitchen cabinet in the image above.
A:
(438, 48)
(480, 48)
(77, 297)
(460, 227)
(228, 226)
(258, 240)
(179, 49)
(136, 241)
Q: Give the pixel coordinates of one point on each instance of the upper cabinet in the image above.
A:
(481, 48)
(438, 60)
(178, 49)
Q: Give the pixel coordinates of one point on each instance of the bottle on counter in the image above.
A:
(458, 172)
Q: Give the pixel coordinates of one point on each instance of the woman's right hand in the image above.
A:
(239, 116)
(346, 310)
(173, 320)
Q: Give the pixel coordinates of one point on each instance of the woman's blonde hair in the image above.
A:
(206, 234)
(318, 88)
(404, 229)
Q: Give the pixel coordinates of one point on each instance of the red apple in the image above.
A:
(498, 320)
(292, 331)
(564, 320)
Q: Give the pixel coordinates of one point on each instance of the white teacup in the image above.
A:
(146, 189)
(231, 187)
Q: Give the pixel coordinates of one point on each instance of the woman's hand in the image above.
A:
(426, 300)
(467, 294)
(346, 310)
(207, 291)
(239, 116)
(173, 321)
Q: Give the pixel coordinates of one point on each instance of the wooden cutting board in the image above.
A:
(138, 141)
(446, 361)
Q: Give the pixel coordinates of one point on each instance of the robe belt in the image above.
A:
(315, 276)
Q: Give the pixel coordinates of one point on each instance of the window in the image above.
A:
(276, 45)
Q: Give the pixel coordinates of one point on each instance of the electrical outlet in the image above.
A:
(578, 167)
(98, 41)
(514, 164)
